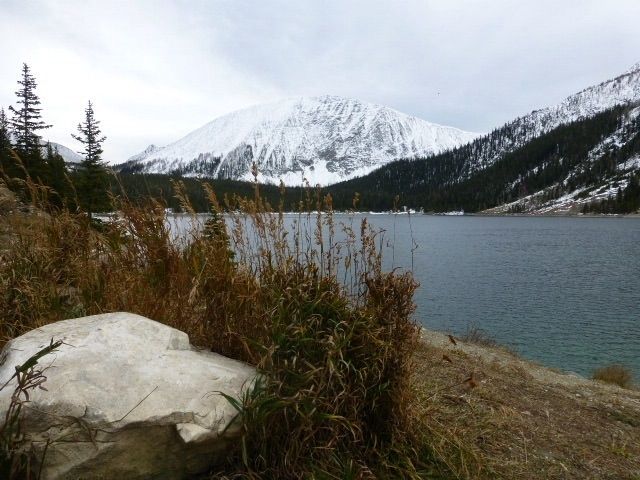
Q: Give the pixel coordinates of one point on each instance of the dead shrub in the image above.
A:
(614, 374)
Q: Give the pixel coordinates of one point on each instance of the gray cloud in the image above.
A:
(159, 69)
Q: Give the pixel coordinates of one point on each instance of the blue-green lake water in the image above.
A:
(563, 291)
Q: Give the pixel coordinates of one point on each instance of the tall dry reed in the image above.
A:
(306, 302)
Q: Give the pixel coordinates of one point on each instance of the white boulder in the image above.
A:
(127, 397)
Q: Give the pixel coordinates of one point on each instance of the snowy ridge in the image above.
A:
(151, 149)
(323, 139)
(621, 90)
(605, 188)
(590, 101)
(66, 153)
(634, 68)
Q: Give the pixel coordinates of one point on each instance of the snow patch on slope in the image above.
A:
(572, 202)
(632, 163)
(66, 153)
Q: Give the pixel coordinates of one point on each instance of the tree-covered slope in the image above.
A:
(576, 159)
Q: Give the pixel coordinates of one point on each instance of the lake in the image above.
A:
(563, 291)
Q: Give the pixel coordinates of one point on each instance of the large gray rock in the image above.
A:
(127, 398)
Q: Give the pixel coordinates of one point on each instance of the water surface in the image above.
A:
(564, 291)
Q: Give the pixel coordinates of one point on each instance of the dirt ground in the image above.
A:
(494, 415)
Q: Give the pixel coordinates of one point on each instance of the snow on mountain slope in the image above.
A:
(601, 188)
(65, 152)
(586, 103)
(151, 149)
(323, 139)
(623, 89)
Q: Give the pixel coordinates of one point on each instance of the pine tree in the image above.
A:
(8, 167)
(5, 137)
(93, 176)
(26, 122)
(58, 179)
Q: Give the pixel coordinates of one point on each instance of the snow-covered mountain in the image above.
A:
(323, 139)
(147, 152)
(621, 90)
(558, 159)
(618, 149)
(65, 152)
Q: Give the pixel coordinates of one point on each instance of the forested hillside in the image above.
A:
(141, 187)
(579, 159)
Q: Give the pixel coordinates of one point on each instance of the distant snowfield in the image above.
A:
(317, 174)
(321, 139)
(66, 153)
(569, 203)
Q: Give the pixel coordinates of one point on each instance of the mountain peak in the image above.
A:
(151, 149)
(324, 139)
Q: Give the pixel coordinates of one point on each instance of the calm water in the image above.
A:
(562, 291)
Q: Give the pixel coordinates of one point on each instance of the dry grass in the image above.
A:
(516, 420)
(16, 456)
(8, 201)
(331, 333)
(478, 336)
(615, 375)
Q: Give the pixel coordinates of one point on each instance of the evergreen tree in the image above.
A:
(26, 122)
(58, 178)
(9, 166)
(5, 143)
(93, 176)
(5, 138)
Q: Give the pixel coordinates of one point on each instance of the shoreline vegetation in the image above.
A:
(353, 387)
(522, 420)
(335, 356)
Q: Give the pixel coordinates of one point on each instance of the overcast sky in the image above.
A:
(157, 70)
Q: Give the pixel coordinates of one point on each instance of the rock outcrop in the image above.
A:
(126, 397)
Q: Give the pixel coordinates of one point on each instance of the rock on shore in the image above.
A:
(126, 397)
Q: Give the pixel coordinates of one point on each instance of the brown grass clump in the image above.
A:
(478, 336)
(614, 374)
(59, 265)
(306, 302)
